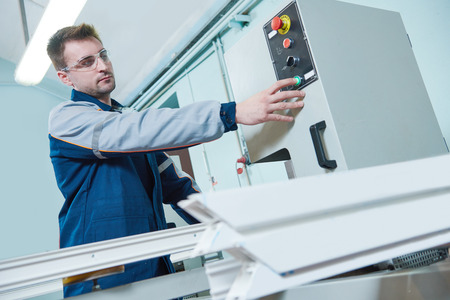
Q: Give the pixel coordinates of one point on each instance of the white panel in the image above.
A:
(250, 69)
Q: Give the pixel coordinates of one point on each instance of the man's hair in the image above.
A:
(56, 44)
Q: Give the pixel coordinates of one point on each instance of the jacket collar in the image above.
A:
(80, 96)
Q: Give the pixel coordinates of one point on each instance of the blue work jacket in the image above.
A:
(114, 177)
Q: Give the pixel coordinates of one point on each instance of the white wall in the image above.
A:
(29, 198)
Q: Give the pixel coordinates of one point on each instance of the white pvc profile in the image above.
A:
(311, 228)
(35, 290)
(23, 273)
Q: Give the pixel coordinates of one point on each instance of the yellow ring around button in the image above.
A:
(286, 24)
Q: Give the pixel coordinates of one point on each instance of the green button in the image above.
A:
(299, 80)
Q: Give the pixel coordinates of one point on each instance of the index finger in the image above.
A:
(281, 84)
(281, 96)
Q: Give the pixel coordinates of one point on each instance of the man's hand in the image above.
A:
(260, 108)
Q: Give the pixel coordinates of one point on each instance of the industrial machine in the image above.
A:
(366, 103)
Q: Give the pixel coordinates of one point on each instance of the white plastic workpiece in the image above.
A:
(311, 228)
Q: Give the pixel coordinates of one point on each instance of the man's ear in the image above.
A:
(63, 76)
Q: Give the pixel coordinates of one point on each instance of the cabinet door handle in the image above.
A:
(318, 146)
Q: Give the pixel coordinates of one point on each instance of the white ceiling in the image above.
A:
(142, 35)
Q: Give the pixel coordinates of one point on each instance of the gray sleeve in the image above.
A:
(83, 124)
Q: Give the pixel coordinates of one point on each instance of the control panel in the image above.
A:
(288, 47)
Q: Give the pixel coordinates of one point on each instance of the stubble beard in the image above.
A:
(102, 90)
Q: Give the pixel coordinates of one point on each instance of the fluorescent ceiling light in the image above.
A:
(34, 64)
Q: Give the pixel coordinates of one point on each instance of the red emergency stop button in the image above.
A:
(277, 23)
(287, 43)
(281, 24)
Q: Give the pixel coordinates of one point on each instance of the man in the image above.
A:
(108, 161)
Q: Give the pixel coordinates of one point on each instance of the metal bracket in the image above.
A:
(239, 21)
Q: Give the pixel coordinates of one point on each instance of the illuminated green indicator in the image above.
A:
(299, 80)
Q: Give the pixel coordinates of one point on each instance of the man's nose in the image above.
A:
(101, 65)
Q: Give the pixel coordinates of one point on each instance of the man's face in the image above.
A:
(98, 82)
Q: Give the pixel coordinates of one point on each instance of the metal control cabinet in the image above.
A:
(366, 103)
